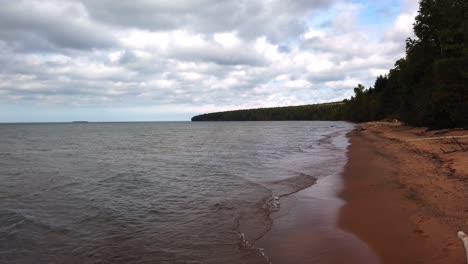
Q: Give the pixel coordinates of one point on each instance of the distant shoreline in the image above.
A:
(406, 199)
(333, 111)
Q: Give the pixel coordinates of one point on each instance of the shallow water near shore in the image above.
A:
(164, 192)
(306, 229)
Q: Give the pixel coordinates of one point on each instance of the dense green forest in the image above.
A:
(428, 87)
(329, 111)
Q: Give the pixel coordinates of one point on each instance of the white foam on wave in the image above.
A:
(272, 204)
(245, 244)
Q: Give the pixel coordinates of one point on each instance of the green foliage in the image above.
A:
(429, 87)
(328, 111)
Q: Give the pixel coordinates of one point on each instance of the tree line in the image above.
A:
(328, 111)
(428, 87)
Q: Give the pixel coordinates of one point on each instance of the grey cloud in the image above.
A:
(219, 56)
(32, 26)
(357, 47)
(59, 52)
(284, 48)
(276, 19)
(325, 76)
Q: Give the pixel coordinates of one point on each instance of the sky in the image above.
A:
(159, 60)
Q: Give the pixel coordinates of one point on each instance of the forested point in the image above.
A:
(428, 87)
(328, 111)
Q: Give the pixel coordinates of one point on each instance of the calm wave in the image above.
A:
(153, 192)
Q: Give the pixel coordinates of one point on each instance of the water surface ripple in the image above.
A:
(164, 192)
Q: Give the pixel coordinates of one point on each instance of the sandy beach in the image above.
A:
(402, 198)
(406, 192)
(306, 232)
(305, 229)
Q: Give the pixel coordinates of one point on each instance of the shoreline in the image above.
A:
(406, 198)
(305, 229)
(307, 232)
(400, 198)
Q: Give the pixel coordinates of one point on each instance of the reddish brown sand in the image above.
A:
(306, 233)
(407, 198)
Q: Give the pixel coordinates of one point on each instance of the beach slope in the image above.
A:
(406, 192)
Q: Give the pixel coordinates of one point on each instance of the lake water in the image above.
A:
(163, 192)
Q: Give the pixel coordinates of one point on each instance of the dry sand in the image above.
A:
(407, 198)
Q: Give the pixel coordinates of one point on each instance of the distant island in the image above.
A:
(428, 87)
(80, 122)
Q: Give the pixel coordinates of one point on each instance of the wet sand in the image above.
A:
(306, 230)
(407, 195)
(401, 199)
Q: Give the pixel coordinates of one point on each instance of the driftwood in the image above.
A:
(458, 143)
(452, 151)
(443, 131)
(464, 239)
(433, 138)
(447, 152)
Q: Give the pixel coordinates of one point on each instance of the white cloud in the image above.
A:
(410, 7)
(201, 55)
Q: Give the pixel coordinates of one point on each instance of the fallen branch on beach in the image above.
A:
(447, 152)
(443, 131)
(452, 151)
(458, 143)
(433, 138)
(464, 238)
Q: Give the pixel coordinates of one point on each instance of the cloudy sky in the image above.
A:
(106, 60)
